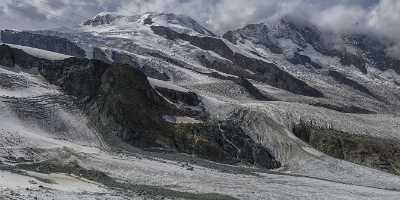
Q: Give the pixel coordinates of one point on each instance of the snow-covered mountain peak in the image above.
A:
(178, 23)
(102, 18)
(181, 23)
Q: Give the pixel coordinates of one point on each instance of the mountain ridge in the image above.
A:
(165, 109)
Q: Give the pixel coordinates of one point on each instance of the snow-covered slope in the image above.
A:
(349, 68)
(39, 52)
(321, 108)
(119, 23)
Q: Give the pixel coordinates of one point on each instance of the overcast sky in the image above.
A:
(378, 16)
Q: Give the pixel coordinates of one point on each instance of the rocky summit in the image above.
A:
(156, 106)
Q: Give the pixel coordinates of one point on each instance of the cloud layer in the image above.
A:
(381, 17)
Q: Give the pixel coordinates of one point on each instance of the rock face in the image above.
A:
(341, 78)
(178, 20)
(11, 57)
(163, 96)
(363, 150)
(375, 50)
(121, 58)
(299, 59)
(50, 43)
(303, 34)
(224, 141)
(118, 99)
(189, 98)
(263, 71)
(120, 102)
(257, 33)
(102, 19)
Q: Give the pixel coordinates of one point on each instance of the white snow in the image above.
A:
(313, 175)
(166, 84)
(60, 182)
(181, 120)
(39, 52)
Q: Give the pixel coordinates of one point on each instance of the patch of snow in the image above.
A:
(181, 120)
(60, 182)
(166, 84)
(40, 53)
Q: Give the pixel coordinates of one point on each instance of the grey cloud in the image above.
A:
(2, 12)
(41, 14)
(56, 4)
(27, 10)
(218, 15)
(380, 17)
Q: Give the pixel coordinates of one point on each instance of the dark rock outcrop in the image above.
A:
(120, 102)
(339, 77)
(49, 43)
(224, 142)
(101, 20)
(246, 84)
(11, 57)
(206, 43)
(378, 153)
(125, 104)
(118, 99)
(189, 98)
(376, 50)
(254, 91)
(257, 33)
(303, 33)
(265, 72)
(122, 58)
(299, 59)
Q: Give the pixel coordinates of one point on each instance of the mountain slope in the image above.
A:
(170, 110)
(348, 65)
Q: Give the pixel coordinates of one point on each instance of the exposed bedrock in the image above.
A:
(120, 102)
(127, 106)
(50, 43)
(223, 141)
(378, 153)
(11, 57)
(240, 64)
(189, 98)
(343, 79)
(115, 57)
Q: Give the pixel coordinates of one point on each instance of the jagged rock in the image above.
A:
(7, 56)
(102, 19)
(309, 34)
(223, 142)
(12, 57)
(257, 33)
(300, 33)
(188, 98)
(265, 72)
(122, 58)
(118, 98)
(50, 43)
(346, 81)
(120, 101)
(375, 50)
(99, 54)
(299, 59)
(382, 154)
